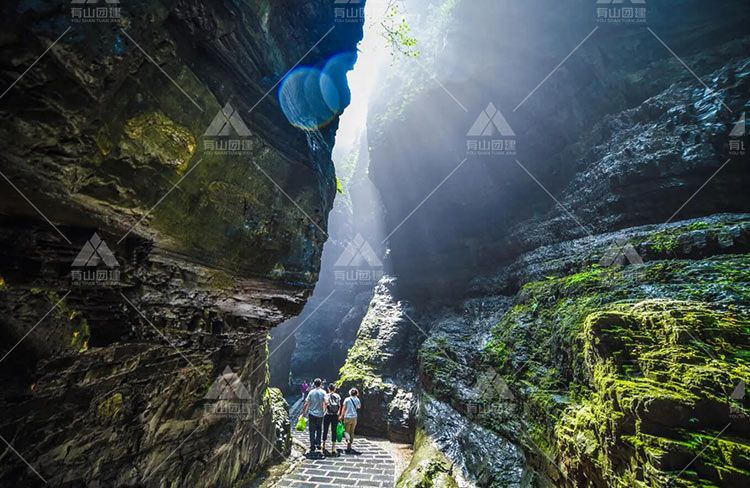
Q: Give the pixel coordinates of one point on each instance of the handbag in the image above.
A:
(339, 432)
(301, 424)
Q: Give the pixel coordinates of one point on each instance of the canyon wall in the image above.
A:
(574, 297)
(159, 216)
(316, 343)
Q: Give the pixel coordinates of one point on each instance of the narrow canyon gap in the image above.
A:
(519, 229)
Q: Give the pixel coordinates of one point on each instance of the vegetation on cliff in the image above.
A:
(428, 467)
(624, 373)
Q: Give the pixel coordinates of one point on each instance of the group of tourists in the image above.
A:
(324, 410)
(305, 387)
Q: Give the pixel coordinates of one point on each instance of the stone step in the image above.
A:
(371, 467)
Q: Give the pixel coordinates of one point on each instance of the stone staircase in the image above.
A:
(372, 466)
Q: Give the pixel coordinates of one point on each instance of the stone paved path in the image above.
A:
(374, 466)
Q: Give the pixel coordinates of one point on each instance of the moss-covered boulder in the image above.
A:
(378, 365)
(429, 468)
(627, 382)
(280, 415)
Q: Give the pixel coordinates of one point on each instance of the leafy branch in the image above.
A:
(397, 31)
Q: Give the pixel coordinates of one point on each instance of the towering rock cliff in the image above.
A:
(316, 343)
(159, 216)
(577, 301)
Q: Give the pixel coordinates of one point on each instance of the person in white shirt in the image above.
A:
(349, 416)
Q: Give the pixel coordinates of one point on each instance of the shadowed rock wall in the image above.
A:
(110, 132)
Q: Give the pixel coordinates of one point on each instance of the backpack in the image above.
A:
(333, 404)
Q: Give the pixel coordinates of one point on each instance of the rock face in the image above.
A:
(491, 458)
(584, 366)
(428, 467)
(621, 134)
(189, 217)
(316, 343)
(375, 366)
(598, 337)
(323, 342)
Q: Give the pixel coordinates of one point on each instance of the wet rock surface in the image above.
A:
(634, 167)
(375, 365)
(711, 235)
(595, 374)
(107, 385)
(481, 454)
(604, 342)
(665, 356)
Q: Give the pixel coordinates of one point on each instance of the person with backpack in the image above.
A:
(349, 415)
(314, 406)
(331, 419)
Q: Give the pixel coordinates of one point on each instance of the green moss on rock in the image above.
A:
(667, 241)
(81, 332)
(495, 353)
(438, 365)
(625, 380)
(158, 136)
(358, 370)
(110, 408)
(428, 467)
(280, 415)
